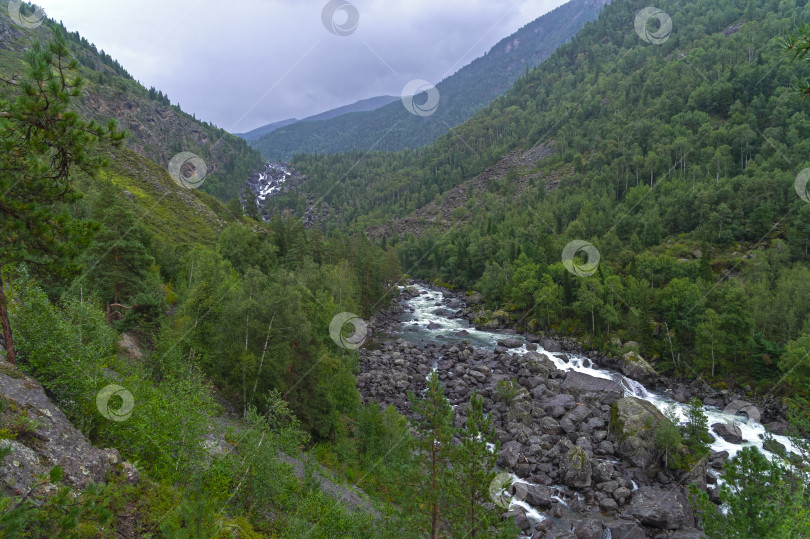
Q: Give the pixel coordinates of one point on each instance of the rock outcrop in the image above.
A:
(636, 367)
(632, 426)
(45, 439)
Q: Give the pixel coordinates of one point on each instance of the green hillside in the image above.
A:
(157, 129)
(636, 195)
(677, 160)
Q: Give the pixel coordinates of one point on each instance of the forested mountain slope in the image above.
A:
(157, 129)
(677, 160)
(119, 287)
(462, 94)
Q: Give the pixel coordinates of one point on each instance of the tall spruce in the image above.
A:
(117, 262)
(434, 425)
(473, 471)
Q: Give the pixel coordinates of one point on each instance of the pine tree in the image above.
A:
(434, 425)
(42, 143)
(705, 263)
(473, 471)
(117, 262)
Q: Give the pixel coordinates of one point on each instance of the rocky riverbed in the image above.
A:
(573, 426)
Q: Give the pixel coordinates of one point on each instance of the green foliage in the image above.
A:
(62, 514)
(38, 169)
(474, 470)
(697, 435)
(117, 262)
(65, 348)
(434, 426)
(668, 438)
(795, 363)
(44, 144)
(507, 390)
(763, 499)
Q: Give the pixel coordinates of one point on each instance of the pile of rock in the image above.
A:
(568, 435)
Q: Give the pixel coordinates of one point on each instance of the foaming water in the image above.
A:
(426, 314)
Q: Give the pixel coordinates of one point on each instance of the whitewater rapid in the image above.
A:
(431, 321)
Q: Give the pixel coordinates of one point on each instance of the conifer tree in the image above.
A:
(474, 470)
(434, 424)
(117, 262)
(43, 145)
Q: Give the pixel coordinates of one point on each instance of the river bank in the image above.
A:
(578, 469)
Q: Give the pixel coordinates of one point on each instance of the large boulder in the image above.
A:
(510, 342)
(729, 432)
(556, 406)
(588, 528)
(663, 509)
(697, 474)
(49, 439)
(521, 520)
(576, 468)
(510, 454)
(625, 529)
(636, 367)
(632, 425)
(539, 496)
(586, 387)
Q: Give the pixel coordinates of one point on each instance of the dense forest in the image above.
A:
(668, 220)
(676, 160)
(233, 345)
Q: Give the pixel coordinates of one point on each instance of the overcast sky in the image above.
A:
(241, 64)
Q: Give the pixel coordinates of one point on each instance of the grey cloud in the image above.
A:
(219, 59)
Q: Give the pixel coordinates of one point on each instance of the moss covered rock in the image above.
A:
(636, 367)
(576, 468)
(632, 425)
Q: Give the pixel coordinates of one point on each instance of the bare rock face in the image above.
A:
(625, 529)
(730, 433)
(592, 389)
(49, 439)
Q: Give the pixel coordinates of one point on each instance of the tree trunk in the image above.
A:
(10, 355)
(435, 523)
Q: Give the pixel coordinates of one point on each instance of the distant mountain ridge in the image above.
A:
(259, 132)
(364, 105)
(470, 89)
